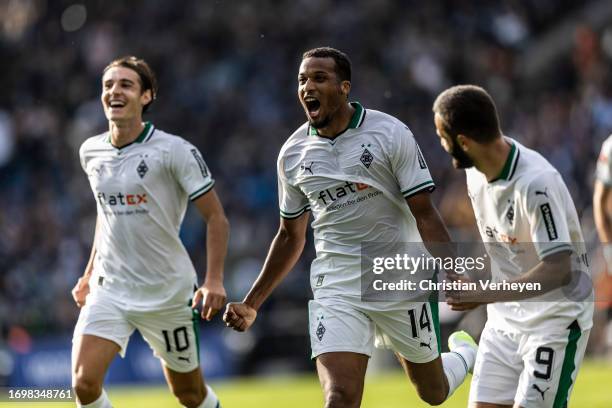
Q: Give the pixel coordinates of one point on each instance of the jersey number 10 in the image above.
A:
(181, 340)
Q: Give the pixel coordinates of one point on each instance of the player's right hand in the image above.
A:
(239, 316)
(80, 291)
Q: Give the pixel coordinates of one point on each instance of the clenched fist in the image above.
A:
(239, 316)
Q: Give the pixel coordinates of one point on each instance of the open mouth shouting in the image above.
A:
(313, 107)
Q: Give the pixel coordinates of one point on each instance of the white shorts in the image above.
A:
(171, 333)
(532, 370)
(337, 325)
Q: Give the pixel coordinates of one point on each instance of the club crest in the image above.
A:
(142, 169)
(366, 157)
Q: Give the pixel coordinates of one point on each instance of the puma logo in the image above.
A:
(423, 344)
(535, 386)
(544, 193)
(303, 167)
(184, 358)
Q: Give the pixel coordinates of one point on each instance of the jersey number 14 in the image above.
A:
(424, 320)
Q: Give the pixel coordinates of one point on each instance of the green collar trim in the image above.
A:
(510, 165)
(146, 133)
(355, 122)
(143, 137)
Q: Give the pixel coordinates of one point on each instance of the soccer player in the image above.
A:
(139, 275)
(361, 174)
(530, 351)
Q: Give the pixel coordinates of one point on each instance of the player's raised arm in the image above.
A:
(212, 293)
(284, 252)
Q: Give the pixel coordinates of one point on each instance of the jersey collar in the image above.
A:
(510, 165)
(356, 120)
(143, 137)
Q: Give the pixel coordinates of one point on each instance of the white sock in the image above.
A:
(211, 400)
(101, 402)
(456, 365)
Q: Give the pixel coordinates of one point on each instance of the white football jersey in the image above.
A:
(529, 210)
(141, 191)
(604, 163)
(356, 186)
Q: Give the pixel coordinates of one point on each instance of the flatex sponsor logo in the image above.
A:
(121, 199)
(329, 195)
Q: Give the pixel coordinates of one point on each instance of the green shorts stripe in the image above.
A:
(195, 318)
(568, 367)
(435, 315)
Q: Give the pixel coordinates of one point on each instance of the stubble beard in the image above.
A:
(460, 159)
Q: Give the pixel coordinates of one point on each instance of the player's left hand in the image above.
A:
(212, 296)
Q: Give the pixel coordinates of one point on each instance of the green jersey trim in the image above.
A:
(355, 122)
(291, 215)
(510, 165)
(201, 191)
(554, 250)
(143, 137)
(418, 188)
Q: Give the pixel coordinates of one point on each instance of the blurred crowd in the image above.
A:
(228, 81)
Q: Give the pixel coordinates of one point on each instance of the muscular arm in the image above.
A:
(212, 293)
(431, 227)
(284, 252)
(217, 235)
(81, 289)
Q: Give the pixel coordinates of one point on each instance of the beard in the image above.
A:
(333, 106)
(460, 159)
(320, 123)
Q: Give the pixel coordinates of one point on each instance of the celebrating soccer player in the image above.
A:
(139, 275)
(361, 174)
(530, 350)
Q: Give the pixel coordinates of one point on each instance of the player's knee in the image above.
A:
(87, 389)
(190, 398)
(341, 397)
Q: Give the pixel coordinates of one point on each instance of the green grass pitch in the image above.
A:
(390, 390)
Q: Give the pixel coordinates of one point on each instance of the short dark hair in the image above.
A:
(148, 80)
(468, 110)
(343, 63)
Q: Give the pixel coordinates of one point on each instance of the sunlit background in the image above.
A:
(228, 81)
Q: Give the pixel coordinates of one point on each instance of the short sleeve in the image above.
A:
(604, 163)
(190, 170)
(291, 200)
(408, 163)
(546, 212)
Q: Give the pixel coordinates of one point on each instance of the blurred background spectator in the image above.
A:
(228, 81)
